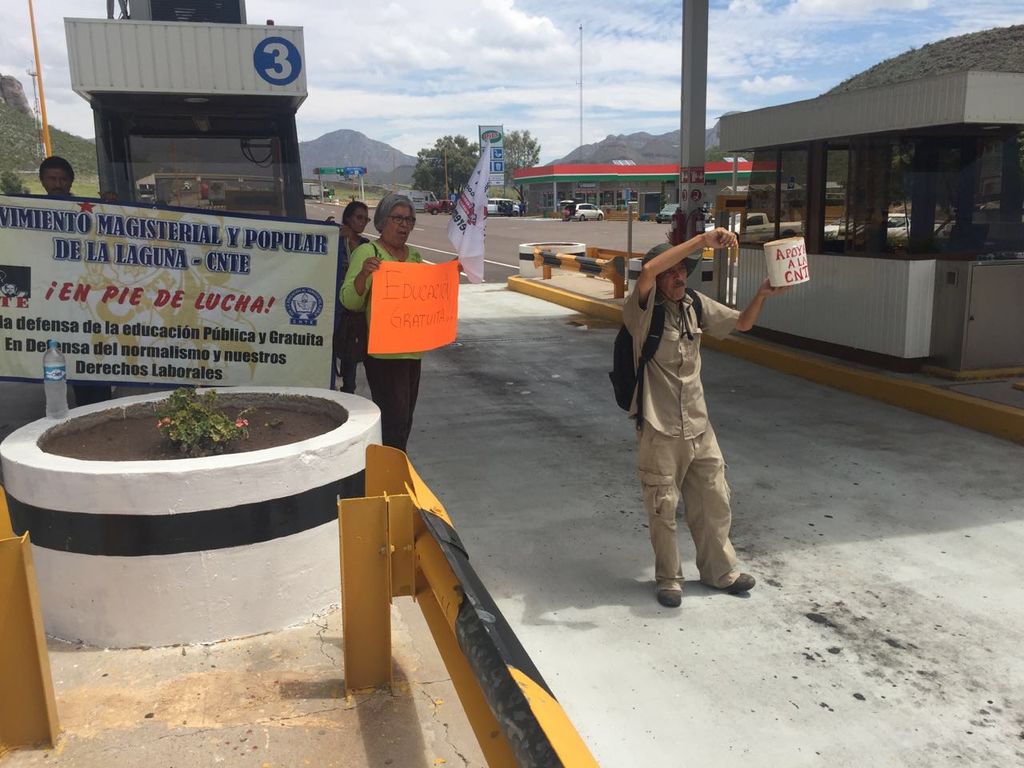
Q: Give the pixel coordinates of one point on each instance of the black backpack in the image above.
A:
(625, 378)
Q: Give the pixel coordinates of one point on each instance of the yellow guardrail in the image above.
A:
(612, 267)
(28, 709)
(399, 540)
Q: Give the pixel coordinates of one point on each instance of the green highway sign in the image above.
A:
(337, 171)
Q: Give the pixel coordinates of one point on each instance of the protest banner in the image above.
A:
(413, 307)
(165, 296)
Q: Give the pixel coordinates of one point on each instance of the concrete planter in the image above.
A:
(150, 553)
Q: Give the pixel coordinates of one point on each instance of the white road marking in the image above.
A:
(449, 253)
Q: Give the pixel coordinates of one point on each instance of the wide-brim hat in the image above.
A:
(691, 261)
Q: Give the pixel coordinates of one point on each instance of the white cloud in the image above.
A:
(771, 85)
(406, 73)
(856, 8)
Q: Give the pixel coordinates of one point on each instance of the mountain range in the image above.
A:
(639, 148)
(385, 165)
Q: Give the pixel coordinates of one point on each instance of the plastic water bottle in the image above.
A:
(55, 384)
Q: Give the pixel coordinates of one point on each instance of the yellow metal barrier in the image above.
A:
(612, 268)
(28, 710)
(399, 541)
(6, 530)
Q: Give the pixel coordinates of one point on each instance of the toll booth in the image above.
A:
(192, 106)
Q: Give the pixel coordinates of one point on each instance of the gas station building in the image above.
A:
(611, 185)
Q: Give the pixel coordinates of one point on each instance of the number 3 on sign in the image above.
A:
(277, 60)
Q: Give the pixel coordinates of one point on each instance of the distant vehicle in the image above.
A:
(434, 207)
(897, 228)
(666, 213)
(420, 198)
(311, 190)
(585, 212)
(501, 206)
(759, 225)
(147, 193)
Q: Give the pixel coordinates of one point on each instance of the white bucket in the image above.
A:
(787, 261)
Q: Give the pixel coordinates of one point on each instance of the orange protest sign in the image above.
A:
(413, 307)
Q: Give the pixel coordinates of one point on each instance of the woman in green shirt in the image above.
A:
(394, 379)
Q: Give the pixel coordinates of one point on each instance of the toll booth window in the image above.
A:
(837, 174)
(792, 213)
(217, 172)
(757, 224)
(931, 194)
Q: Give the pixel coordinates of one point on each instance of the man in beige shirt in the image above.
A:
(678, 452)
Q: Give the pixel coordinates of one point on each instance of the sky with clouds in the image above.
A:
(407, 72)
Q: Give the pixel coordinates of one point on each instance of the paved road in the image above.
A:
(504, 235)
(886, 626)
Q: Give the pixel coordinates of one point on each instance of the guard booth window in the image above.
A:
(230, 174)
(927, 194)
(233, 163)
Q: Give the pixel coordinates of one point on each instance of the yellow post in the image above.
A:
(6, 530)
(28, 710)
(401, 522)
(39, 75)
(365, 592)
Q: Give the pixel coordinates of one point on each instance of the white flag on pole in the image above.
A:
(468, 226)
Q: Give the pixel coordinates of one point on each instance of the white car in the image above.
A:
(585, 211)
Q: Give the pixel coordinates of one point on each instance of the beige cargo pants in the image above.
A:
(669, 466)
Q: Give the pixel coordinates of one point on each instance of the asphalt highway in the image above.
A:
(505, 234)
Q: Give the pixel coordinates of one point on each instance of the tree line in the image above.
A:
(446, 167)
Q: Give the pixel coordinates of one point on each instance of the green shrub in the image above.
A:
(10, 184)
(196, 424)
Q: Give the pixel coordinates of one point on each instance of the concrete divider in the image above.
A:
(400, 541)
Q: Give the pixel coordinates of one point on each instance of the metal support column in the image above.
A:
(693, 105)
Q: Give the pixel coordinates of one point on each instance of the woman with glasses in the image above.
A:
(353, 221)
(394, 379)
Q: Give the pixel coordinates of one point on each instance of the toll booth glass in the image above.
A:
(792, 216)
(837, 173)
(217, 172)
(757, 225)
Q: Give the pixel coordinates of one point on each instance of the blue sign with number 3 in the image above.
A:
(277, 60)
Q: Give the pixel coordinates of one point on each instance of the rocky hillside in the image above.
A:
(635, 148)
(19, 141)
(993, 50)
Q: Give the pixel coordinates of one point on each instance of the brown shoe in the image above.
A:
(670, 598)
(744, 583)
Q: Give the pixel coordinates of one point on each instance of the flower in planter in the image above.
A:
(196, 424)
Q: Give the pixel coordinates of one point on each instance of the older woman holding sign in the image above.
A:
(394, 379)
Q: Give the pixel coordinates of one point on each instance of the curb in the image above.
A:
(984, 416)
(606, 310)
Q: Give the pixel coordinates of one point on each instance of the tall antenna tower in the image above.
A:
(40, 147)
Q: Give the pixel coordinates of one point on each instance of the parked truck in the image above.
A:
(420, 198)
(312, 190)
(758, 225)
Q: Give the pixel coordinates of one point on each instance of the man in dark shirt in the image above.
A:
(56, 175)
